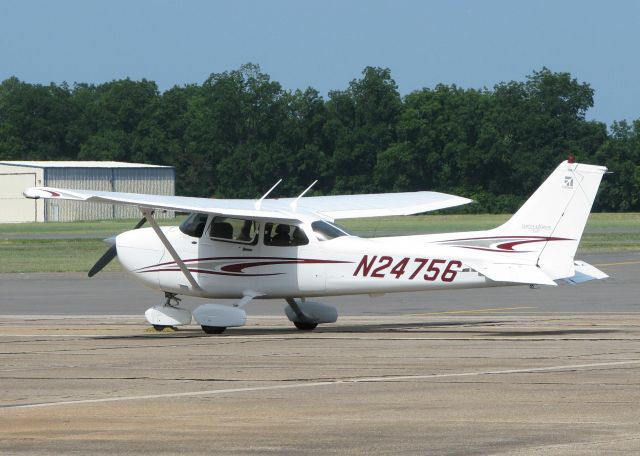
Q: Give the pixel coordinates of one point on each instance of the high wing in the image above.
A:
(378, 204)
(326, 207)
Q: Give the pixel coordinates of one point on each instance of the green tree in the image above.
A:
(122, 122)
(33, 120)
(542, 121)
(232, 123)
(362, 124)
(620, 190)
(239, 131)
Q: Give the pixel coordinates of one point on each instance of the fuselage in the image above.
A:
(316, 260)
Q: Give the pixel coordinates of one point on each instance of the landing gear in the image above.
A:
(168, 315)
(306, 315)
(214, 329)
(302, 326)
(216, 318)
(169, 297)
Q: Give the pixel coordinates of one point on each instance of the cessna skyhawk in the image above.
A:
(290, 248)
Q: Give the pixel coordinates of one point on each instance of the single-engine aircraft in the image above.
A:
(291, 248)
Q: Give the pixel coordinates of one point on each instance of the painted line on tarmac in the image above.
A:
(446, 312)
(317, 384)
(59, 335)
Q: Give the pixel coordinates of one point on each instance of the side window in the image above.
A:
(283, 235)
(234, 230)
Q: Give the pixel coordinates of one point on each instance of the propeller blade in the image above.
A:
(104, 260)
(111, 253)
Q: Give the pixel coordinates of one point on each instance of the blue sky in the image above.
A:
(325, 44)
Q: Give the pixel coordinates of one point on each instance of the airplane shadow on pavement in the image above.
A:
(413, 328)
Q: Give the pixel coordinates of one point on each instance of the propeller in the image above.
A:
(111, 253)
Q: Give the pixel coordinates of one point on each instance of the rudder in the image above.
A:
(552, 220)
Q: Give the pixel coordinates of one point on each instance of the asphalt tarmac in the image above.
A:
(120, 294)
(496, 371)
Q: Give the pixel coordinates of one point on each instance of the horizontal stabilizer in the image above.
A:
(516, 273)
(584, 273)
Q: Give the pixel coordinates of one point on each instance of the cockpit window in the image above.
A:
(194, 225)
(326, 231)
(234, 229)
(283, 235)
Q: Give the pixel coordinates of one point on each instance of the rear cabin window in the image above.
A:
(325, 231)
(283, 235)
(234, 230)
(194, 225)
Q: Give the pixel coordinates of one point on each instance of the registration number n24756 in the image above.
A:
(430, 269)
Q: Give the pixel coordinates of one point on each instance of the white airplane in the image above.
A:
(290, 248)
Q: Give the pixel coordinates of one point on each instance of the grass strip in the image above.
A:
(67, 255)
(604, 233)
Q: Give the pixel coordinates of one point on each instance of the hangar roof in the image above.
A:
(79, 164)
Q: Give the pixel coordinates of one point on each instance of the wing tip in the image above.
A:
(35, 193)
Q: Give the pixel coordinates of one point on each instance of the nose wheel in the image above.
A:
(171, 300)
(168, 315)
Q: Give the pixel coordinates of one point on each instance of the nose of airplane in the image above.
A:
(139, 249)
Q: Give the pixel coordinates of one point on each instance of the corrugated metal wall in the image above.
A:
(158, 181)
(154, 181)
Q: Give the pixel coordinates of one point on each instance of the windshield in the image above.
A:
(194, 225)
(326, 231)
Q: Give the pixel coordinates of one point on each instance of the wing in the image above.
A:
(232, 207)
(378, 204)
(327, 207)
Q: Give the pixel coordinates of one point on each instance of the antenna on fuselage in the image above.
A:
(294, 203)
(259, 202)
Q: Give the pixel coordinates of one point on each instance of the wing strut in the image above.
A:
(148, 214)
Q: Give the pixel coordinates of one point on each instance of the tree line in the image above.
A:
(239, 131)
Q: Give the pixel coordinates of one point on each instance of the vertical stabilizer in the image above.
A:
(551, 221)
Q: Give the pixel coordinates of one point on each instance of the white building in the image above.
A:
(15, 176)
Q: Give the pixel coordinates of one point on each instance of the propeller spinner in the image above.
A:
(111, 253)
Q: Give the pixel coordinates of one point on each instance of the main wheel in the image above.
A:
(214, 329)
(304, 326)
(160, 327)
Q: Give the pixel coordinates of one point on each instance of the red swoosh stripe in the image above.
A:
(507, 247)
(237, 269)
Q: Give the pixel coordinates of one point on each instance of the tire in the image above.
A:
(160, 327)
(304, 326)
(214, 329)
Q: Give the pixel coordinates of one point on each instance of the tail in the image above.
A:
(548, 227)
